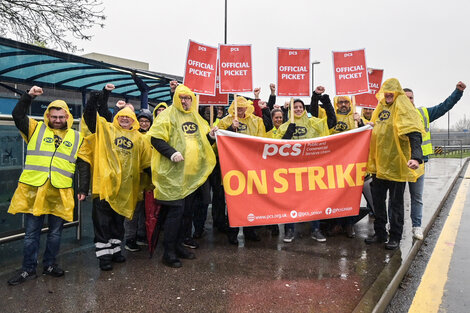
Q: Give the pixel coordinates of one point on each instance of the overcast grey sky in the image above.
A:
(425, 44)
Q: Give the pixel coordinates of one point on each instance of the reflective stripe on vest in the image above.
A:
(44, 161)
(426, 145)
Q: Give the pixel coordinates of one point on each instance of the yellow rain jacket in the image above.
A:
(305, 127)
(161, 104)
(250, 124)
(389, 146)
(272, 133)
(118, 156)
(186, 132)
(343, 121)
(364, 119)
(45, 199)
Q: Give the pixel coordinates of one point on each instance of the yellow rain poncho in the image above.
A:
(272, 133)
(305, 127)
(118, 157)
(389, 146)
(45, 199)
(250, 124)
(343, 121)
(160, 105)
(185, 131)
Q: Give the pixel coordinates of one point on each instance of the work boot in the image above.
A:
(184, 253)
(105, 264)
(21, 277)
(374, 239)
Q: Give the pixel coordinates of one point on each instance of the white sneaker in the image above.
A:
(417, 233)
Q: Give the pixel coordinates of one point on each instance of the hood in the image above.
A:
(338, 98)
(161, 104)
(242, 103)
(126, 111)
(183, 90)
(59, 104)
(391, 85)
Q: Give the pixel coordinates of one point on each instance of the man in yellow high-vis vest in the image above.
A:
(428, 115)
(45, 185)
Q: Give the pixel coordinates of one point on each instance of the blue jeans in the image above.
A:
(314, 224)
(33, 225)
(416, 193)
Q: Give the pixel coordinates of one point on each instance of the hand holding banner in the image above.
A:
(350, 72)
(199, 74)
(293, 72)
(235, 68)
(368, 100)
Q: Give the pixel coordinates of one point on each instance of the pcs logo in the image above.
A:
(242, 127)
(123, 142)
(300, 131)
(384, 115)
(189, 128)
(341, 126)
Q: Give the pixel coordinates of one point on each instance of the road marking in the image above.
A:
(428, 297)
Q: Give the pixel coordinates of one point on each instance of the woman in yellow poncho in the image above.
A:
(303, 128)
(395, 156)
(184, 162)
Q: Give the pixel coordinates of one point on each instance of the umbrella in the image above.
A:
(153, 220)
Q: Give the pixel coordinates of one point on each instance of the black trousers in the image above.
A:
(218, 197)
(379, 196)
(109, 229)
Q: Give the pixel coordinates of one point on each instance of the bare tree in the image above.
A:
(462, 124)
(50, 21)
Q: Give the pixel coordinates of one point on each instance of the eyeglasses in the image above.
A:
(60, 117)
(185, 98)
(343, 102)
(144, 122)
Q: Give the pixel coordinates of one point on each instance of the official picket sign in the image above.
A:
(369, 100)
(200, 70)
(272, 181)
(350, 72)
(218, 99)
(293, 72)
(236, 73)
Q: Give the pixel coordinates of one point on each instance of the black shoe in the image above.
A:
(374, 239)
(251, 235)
(53, 270)
(233, 239)
(190, 243)
(132, 246)
(171, 261)
(106, 265)
(350, 232)
(392, 244)
(118, 258)
(185, 254)
(141, 241)
(21, 277)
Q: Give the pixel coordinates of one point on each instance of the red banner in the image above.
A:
(293, 72)
(368, 100)
(218, 99)
(235, 68)
(350, 72)
(199, 74)
(269, 181)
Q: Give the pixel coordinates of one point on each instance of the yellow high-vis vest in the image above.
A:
(426, 144)
(44, 161)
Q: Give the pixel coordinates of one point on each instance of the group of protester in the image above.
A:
(172, 153)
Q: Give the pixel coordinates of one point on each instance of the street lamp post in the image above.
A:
(313, 74)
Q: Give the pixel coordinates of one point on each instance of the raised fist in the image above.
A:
(35, 91)
(319, 90)
(257, 91)
(461, 86)
(109, 87)
(173, 85)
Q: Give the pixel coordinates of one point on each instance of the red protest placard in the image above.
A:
(236, 73)
(350, 72)
(279, 179)
(293, 72)
(368, 100)
(218, 99)
(199, 74)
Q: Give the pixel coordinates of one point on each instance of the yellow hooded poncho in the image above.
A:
(344, 122)
(250, 124)
(118, 157)
(389, 146)
(186, 132)
(305, 127)
(160, 105)
(45, 199)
